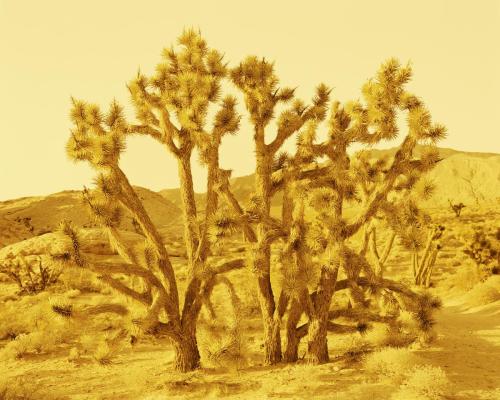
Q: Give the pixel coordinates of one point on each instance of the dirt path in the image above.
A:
(468, 349)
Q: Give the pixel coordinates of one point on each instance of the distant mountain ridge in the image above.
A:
(468, 177)
(31, 216)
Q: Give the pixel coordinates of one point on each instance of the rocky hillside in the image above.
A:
(24, 218)
(471, 178)
(468, 177)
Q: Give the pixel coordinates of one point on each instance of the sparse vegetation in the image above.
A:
(424, 383)
(484, 250)
(391, 362)
(31, 274)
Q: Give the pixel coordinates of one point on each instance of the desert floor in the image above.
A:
(466, 347)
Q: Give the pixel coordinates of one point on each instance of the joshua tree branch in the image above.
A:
(228, 266)
(235, 205)
(283, 134)
(144, 298)
(145, 130)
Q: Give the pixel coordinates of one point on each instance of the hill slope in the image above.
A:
(469, 177)
(31, 216)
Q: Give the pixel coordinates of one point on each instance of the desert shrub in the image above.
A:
(32, 274)
(484, 292)
(47, 337)
(80, 279)
(23, 315)
(484, 249)
(220, 338)
(381, 335)
(44, 324)
(391, 362)
(423, 383)
(22, 388)
(464, 278)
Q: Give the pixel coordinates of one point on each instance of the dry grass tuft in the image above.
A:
(21, 388)
(391, 362)
(423, 383)
(103, 354)
(464, 278)
(484, 292)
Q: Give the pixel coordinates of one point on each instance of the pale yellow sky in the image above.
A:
(89, 49)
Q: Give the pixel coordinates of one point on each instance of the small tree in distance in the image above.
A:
(457, 208)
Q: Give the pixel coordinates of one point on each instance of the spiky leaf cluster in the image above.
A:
(96, 137)
(186, 82)
(222, 226)
(257, 80)
(68, 229)
(104, 208)
(409, 222)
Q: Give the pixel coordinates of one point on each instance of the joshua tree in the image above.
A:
(326, 189)
(184, 86)
(457, 208)
(259, 84)
(313, 231)
(424, 244)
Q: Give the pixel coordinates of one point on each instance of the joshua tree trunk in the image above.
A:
(189, 205)
(317, 346)
(292, 337)
(187, 356)
(272, 337)
(272, 342)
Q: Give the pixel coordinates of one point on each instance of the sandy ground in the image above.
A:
(467, 348)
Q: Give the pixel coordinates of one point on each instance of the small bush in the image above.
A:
(464, 278)
(423, 383)
(32, 274)
(21, 388)
(381, 335)
(23, 315)
(41, 341)
(391, 362)
(484, 249)
(483, 293)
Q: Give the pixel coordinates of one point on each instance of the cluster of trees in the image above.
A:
(182, 106)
